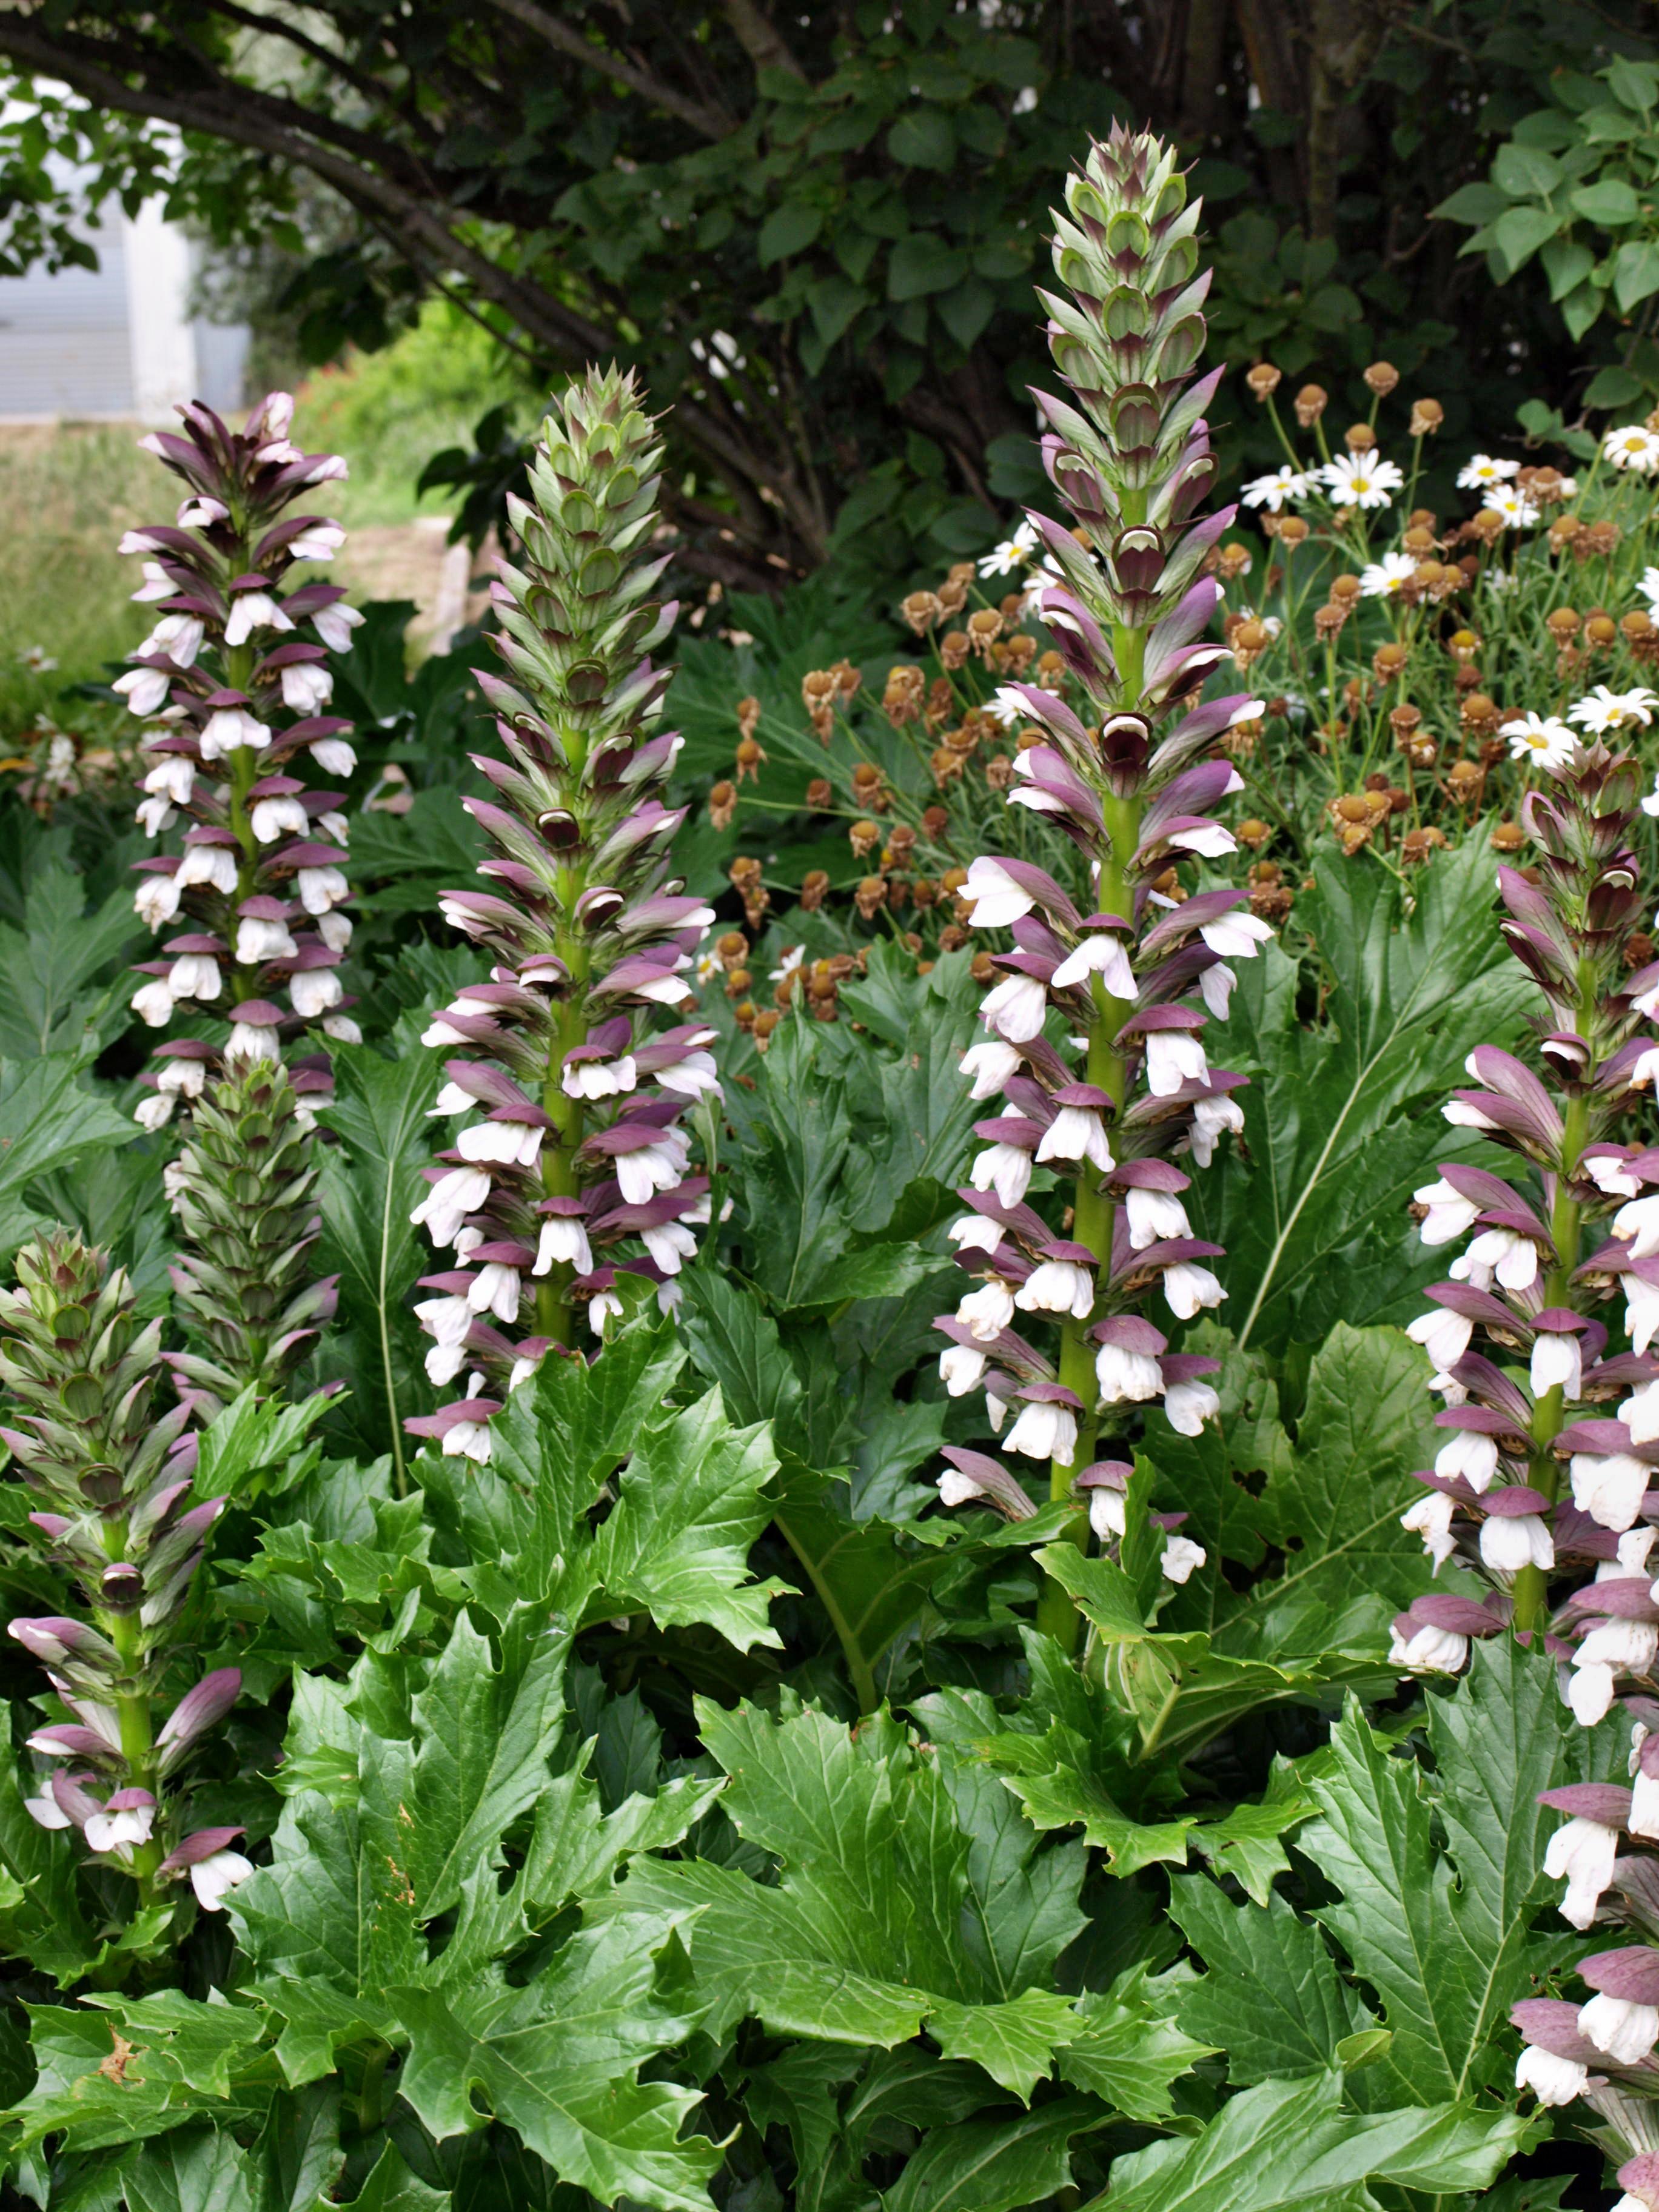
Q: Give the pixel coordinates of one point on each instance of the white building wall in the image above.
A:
(160, 343)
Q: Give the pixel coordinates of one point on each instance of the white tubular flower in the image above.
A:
(144, 690)
(1181, 1558)
(119, 1829)
(271, 818)
(1552, 2080)
(317, 541)
(563, 1242)
(997, 899)
(1207, 838)
(156, 900)
(1641, 1310)
(252, 1041)
(1608, 1486)
(212, 865)
(1059, 1286)
(1100, 953)
(334, 756)
(1581, 1853)
(156, 815)
(1557, 1363)
(502, 1144)
(1211, 1118)
(173, 776)
(669, 1245)
(1638, 1225)
(1644, 1806)
(1429, 1650)
(229, 728)
(443, 1361)
(986, 1312)
(1188, 1286)
(153, 1003)
(1015, 1008)
(495, 1289)
(1125, 1378)
(1444, 1334)
(157, 584)
(215, 1876)
(975, 1233)
(1512, 1541)
(445, 1320)
(1431, 1518)
(312, 991)
(320, 888)
(1640, 1414)
(1450, 1215)
(1504, 1253)
(179, 636)
(252, 610)
(1154, 1215)
(1469, 1454)
(1077, 1133)
(989, 1066)
(1174, 1057)
(1043, 1431)
(1625, 2032)
(1589, 1694)
(261, 939)
(1005, 1169)
(1629, 1647)
(1237, 936)
(654, 1167)
(451, 1199)
(600, 1078)
(195, 975)
(960, 1367)
(335, 624)
(306, 688)
(469, 1440)
(1108, 1514)
(1188, 1406)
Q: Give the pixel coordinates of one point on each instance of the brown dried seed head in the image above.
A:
(1562, 623)
(864, 837)
(749, 714)
(1232, 560)
(820, 795)
(981, 968)
(1382, 377)
(1253, 835)
(1344, 589)
(733, 949)
(1310, 403)
(812, 889)
(1427, 416)
(1263, 380)
(1292, 530)
(722, 802)
(953, 648)
(1359, 438)
(935, 821)
(1508, 837)
(749, 757)
(1600, 630)
(921, 610)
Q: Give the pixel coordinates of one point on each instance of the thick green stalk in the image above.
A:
(1093, 1214)
(132, 1708)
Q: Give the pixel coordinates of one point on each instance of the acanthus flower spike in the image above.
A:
(576, 1161)
(1133, 975)
(234, 684)
(128, 1533)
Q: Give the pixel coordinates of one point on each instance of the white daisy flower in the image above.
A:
(1543, 739)
(1012, 552)
(1604, 709)
(1382, 579)
(1284, 485)
(1482, 469)
(1361, 480)
(1518, 512)
(1634, 447)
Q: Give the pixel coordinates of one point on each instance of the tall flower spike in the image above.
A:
(572, 1161)
(1540, 1344)
(1114, 1091)
(119, 1516)
(245, 1193)
(233, 682)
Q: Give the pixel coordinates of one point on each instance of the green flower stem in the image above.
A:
(1548, 1416)
(132, 1708)
(1093, 1214)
